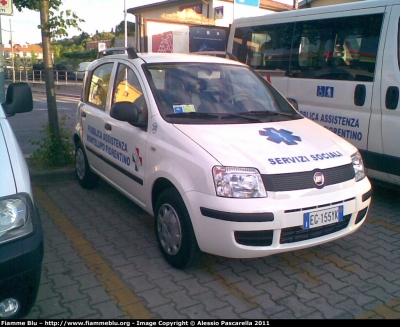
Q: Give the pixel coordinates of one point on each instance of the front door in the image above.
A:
(126, 144)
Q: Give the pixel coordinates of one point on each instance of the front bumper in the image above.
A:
(20, 266)
(274, 224)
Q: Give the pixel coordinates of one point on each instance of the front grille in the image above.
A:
(255, 238)
(330, 204)
(305, 180)
(297, 234)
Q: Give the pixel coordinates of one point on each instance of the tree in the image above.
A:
(120, 29)
(34, 57)
(53, 23)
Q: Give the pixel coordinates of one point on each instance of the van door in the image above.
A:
(389, 100)
(333, 73)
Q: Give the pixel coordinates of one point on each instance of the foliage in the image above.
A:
(53, 149)
(46, 154)
(120, 29)
(70, 48)
(59, 21)
(103, 36)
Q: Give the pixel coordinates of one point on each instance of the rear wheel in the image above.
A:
(85, 176)
(174, 231)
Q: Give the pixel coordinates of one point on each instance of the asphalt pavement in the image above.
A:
(101, 261)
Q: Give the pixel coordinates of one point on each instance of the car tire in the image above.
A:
(85, 176)
(174, 231)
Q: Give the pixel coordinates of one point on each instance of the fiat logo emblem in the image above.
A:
(319, 179)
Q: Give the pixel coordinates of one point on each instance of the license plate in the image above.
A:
(322, 217)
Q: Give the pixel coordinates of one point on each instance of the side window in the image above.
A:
(127, 88)
(339, 48)
(99, 85)
(398, 44)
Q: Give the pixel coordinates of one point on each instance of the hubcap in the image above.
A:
(169, 229)
(80, 164)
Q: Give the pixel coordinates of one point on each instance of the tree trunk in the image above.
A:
(50, 86)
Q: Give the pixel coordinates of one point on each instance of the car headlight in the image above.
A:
(15, 217)
(237, 182)
(358, 166)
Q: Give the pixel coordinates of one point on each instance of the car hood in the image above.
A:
(7, 185)
(278, 147)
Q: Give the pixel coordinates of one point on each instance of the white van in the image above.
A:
(341, 64)
(220, 159)
(80, 70)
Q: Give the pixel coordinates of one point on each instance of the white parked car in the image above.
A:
(80, 70)
(220, 158)
(21, 237)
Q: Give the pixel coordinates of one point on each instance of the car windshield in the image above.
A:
(204, 93)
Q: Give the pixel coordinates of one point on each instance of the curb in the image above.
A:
(53, 177)
(71, 90)
(57, 93)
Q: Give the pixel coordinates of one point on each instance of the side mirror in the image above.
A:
(18, 99)
(294, 103)
(128, 112)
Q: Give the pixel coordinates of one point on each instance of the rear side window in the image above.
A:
(342, 48)
(99, 83)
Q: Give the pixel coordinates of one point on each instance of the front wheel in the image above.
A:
(174, 231)
(85, 176)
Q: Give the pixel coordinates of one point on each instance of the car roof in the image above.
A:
(175, 57)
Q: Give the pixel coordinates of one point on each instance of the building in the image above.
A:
(23, 51)
(171, 26)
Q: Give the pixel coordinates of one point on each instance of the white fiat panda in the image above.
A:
(21, 237)
(220, 158)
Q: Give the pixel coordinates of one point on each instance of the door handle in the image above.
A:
(108, 127)
(83, 114)
(359, 95)
(392, 97)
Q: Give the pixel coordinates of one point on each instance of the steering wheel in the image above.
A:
(236, 96)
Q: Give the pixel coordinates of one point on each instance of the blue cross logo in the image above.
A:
(280, 136)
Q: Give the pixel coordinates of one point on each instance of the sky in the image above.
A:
(100, 15)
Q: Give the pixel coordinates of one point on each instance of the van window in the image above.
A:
(99, 85)
(337, 49)
(342, 48)
(264, 47)
(398, 44)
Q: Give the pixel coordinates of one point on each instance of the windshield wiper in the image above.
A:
(192, 114)
(266, 112)
(241, 115)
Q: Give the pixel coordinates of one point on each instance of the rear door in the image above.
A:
(94, 116)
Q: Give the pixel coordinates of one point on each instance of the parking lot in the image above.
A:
(102, 261)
